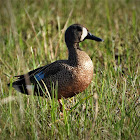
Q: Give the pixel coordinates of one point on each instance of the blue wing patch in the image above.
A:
(39, 76)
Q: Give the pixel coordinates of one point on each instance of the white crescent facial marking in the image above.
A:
(84, 34)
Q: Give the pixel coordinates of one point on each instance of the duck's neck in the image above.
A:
(73, 53)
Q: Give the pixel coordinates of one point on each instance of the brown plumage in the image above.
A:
(69, 76)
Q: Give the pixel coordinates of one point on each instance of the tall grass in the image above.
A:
(32, 35)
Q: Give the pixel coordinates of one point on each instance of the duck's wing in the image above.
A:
(33, 72)
(35, 76)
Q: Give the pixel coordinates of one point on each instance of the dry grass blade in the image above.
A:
(7, 100)
(95, 116)
(63, 30)
(32, 24)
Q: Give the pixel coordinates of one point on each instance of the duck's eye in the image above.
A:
(79, 29)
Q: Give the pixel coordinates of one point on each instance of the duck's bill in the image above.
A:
(92, 37)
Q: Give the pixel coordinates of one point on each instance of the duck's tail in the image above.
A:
(21, 86)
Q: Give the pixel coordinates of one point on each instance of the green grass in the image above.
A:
(32, 35)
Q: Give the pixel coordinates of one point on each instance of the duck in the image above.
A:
(69, 77)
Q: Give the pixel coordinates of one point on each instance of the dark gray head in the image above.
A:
(77, 33)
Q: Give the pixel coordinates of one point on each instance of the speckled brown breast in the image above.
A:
(77, 78)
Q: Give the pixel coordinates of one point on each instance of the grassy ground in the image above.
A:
(32, 35)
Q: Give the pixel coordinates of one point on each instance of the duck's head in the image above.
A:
(77, 33)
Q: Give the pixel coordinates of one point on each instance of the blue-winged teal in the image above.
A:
(71, 76)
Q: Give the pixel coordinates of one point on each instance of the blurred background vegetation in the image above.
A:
(32, 35)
